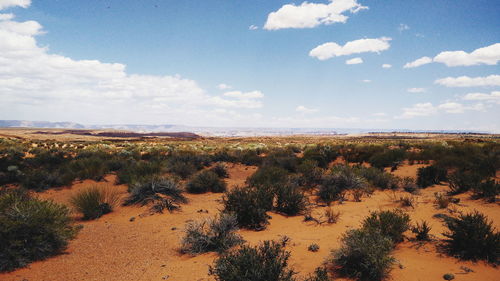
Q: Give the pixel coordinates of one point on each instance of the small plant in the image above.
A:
(162, 193)
(216, 234)
(332, 216)
(205, 181)
(472, 237)
(313, 247)
(290, 200)
(265, 262)
(220, 170)
(389, 223)
(430, 175)
(442, 200)
(463, 181)
(94, 202)
(421, 231)
(357, 194)
(246, 204)
(409, 185)
(364, 254)
(320, 274)
(488, 190)
(31, 229)
(407, 201)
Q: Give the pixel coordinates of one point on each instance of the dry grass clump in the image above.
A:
(94, 202)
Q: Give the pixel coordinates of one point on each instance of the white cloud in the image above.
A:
(402, 27)
(253, 27)
(303, 109)
(386, 65)
(418, 110)
(247, 95)
(489, 55)
(466, 81)
(416, 90)
(418, 62)
(493, 97)
(379, 114)
(13, 3)
(354, 61)
(308, 15)
(36, 84)
(223, 86)
(455, 107)
(329, 50)
(366, 81)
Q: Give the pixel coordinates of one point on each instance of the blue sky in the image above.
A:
(253, 63)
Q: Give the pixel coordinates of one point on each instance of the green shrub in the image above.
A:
(205, 181)
(265, 262)
(320, 274)
(268, 177)
(182, 169)
(463, 181)
(220, 170)
(421, 231)
(310, 172)
(93, 202)
(364, 255)
(488, 190)
(409, 185)
(290, 200)
(389, 223)
(472, 237)
(41, 179)
(162, 193)
(31, 229)
(216, 235)
(246, 204)
(430, 175)
(334, 185)
(377, 177)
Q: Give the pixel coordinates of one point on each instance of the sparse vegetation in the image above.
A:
(31, 229)
(471, 236)
(245, 203)
(421, 231)
(313, 247)
(265, 262)
(205, 181)
(389, 223)
(441, 200)
(215, 234)
(94, 202)
(430, 175)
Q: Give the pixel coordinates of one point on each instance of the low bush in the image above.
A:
(268, 177)
(463, 181)
(377, 177)
(331, 215)
(94, 201)
(290, 200)
(364, 254)
(488, 190)
(409, 185)
(421, 231)
(162, 193)
(430, 175)
(246, 204)
(341, 179)
(310, 172)
(212, 235)
(205, 181)
(220, 170)
(407, 201)
(320, 274)
(389, 223)
(265, 262)
(31, 229)
(313, 247)
(471, 236)
(441, 200)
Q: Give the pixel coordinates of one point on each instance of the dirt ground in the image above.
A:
(116, 247)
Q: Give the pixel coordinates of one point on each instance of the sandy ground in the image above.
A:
(115, 248)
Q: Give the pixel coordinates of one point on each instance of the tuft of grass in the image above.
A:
(313, 247)
(94, 202)
(407, 201)
(265, 262)
(31, 229)
(320, 274)
(163, 193)
(211, 235)
(331, 215)
(472, 237)
(441, 200)
(421, 231)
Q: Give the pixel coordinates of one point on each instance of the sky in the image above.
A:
(421, 65)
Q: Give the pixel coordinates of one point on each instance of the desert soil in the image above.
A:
(116, 248)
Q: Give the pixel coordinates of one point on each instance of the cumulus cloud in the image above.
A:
(466, 81)
(309, 15)
(354, 61)
(489, 55)
(331, 49)
(418, 62)
(4, 4)
(418, 110)
(386, 65)
(416, 90)
(303, 109)
(36, 84)
(427, 109)
(223, 86)
(247, 95)
(493, 97)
